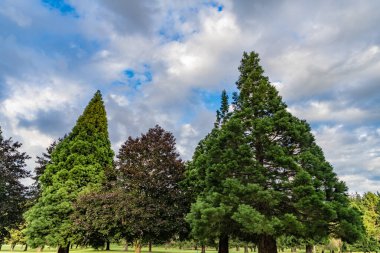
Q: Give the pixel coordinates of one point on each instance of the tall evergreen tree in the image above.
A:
(77, 164)
(150, 172)
(13, 193)
(257, 168)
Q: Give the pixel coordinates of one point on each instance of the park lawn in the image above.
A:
(115, 248)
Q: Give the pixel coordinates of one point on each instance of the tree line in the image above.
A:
(258, 177)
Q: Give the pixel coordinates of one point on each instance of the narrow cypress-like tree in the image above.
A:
(77, 164)
(13, 194)
(263, 175)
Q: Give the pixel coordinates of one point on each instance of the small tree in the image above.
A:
(16, 236)
(96, 218)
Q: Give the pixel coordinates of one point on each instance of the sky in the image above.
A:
(166, 63)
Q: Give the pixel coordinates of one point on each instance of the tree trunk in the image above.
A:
(267, 244)
(126, 246)
(223, 244)
(67, 248)
(196, 247)
(293, 249)
(1, 245)
(107, 245)
(203, 249)
(150, 247)
(238, 248)
(61, 249)
(26, 247)
(245, 249)
(137, 245)
(13, 247)
(309, 248)
(40, 249)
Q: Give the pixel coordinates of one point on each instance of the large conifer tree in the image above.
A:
(262, 174)
(77, 164)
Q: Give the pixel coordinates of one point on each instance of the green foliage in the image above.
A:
(16, 236)
(259, 172)
(369, 206)
(13, 194)
(150, 173)
(42, 162)
(77, 164)
(95, 218)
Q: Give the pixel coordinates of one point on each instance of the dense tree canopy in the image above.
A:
(77, 164)
(13, 193)
(261, 173)
(150, 173)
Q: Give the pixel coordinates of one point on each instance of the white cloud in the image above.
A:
(331, 111)
(353, 153)
(325, 67)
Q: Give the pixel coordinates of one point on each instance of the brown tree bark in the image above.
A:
(126, 246)
(223, 244)
(150, 246)
(26, 247)
(203, 249)
(293, 249)
(309, 248)
(245, 249)
(62, 249)
(267, 244)
(137, 244)
(108, 245)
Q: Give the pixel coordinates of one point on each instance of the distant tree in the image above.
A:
(369, 205)
(13, 194)
(77, 165)
(261, 173)
(150, 172)
(16, 236)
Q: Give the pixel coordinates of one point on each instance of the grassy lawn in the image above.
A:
(114, 249)
(120, 249)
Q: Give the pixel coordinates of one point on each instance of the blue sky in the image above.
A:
(166, 62)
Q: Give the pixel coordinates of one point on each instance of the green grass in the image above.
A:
(120, 249)
(114, 249)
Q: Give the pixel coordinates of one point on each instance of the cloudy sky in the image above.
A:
(166, 62)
